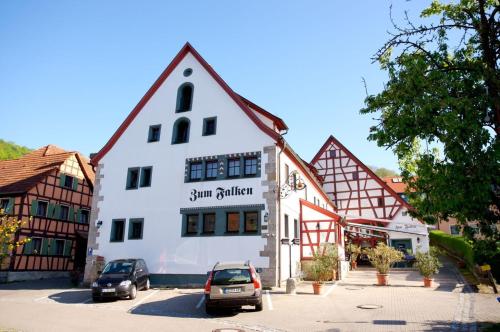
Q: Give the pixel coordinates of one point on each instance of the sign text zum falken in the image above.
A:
(220, 193)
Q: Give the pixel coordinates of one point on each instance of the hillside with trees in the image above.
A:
(9, 150)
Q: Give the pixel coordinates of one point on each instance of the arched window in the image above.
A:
(184, 97)
(180, 133)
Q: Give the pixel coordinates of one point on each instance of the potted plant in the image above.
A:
(354, 251)
(428, 264)
(331, 257)
(382, 257)
(320, 268)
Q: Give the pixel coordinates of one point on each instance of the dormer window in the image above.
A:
(185, 97)
(181, 131)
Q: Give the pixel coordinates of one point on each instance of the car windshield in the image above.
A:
(231, 277)
(117, 267)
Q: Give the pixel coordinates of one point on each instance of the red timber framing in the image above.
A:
(317, 226)
(352, 186)
(70, 234)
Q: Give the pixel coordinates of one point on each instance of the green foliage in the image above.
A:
(9, 150)
(325, 261)
(440, 112)
(383, 256)
(428, 262)
(456, 245)
(383, 172)
(354, 251)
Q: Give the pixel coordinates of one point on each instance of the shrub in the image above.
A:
(383, 256)
(354, 251)
(428, 263)
(456, 245)
(325, 260)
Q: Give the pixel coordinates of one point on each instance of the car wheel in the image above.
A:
(209, 310)
(147, 286)
(258, 306)
(133, 292)
(96, 299)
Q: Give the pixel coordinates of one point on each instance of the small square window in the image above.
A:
(133, 178)
(41, 210)
(4, 203)
(36, 245)
(250, 166)
(68, 182)
(233, 167)
(454, 230)
(154, 133)
(211, 169)
(251, 221)
(380, 201)
(333, 153)
(195, 171)
(209, 223)
(84, 216)
(117, 230)
(59, 247)
(209, 126)
(146, 173)
(355, 175)
(233, 222)
(64, 212)
(192, 224)
(135, 228)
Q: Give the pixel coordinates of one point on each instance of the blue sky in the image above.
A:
(71, 71)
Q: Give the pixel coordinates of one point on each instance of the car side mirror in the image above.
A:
(258, 270)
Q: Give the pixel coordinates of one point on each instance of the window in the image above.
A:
(233, 222)
(84, 216)
(233, 167)
(181, 131)
(68, 182)
(250, 166)
(146, 176)
(41, 210)
(4, 204)
(287, 173)
(59, 247)
(355, 175)
(454, 230)
(192, 224)
(209, 223)
(135, 227)
(287, 234)
(184, 97)
(133, 178)
(117, 230)
(63, 212)
(195, 171)
(404, 213)
(251, 221)
(295, 229)
(380, 201)
(211, 169)
(187, 72)
(333, 153)
(209, 126)
(154, 133)
(36, 245)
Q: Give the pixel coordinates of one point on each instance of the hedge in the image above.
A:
(457, 245)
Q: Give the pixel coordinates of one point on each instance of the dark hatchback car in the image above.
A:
(121, 279)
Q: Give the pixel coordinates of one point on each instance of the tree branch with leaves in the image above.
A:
(9, 226)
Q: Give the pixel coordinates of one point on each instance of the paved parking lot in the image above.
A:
(403, 306)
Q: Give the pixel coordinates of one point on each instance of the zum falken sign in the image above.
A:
(220, 193)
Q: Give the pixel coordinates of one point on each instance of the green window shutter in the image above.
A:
(78, 215)
(34, 207)
(10, 206)
(28, 248)
(75, 183)
(45, 246)
(62, 179)
(52, 246)
(71, 214)
(67, 247)
(50, 210)
(57, 211)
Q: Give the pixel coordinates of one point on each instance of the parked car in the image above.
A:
(121, 278)
(232, 285)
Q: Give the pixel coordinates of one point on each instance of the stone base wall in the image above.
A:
(9, 276)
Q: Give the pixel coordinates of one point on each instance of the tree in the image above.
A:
(9, 150)
(383, 172)
(8, 228)
(443, 94)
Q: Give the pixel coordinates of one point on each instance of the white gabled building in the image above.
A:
(372, 209)
(198, 174)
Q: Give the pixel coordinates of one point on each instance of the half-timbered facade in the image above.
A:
(198, 174)
(50, 189)
(373, 210)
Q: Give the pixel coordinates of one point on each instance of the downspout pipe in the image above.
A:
(282, 145)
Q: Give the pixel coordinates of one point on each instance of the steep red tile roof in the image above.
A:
(395, 183)
(20, 175)
(278, 122)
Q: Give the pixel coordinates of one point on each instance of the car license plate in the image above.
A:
(232, 290)
(108, 290)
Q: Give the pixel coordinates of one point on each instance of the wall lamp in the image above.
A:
(99, 224)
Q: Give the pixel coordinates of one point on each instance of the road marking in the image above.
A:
(86, 301)
(269, 302)
(41, 298)
(144, 299)
(329, 290)
(202, 299)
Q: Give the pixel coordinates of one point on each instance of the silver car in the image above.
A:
(232, 285)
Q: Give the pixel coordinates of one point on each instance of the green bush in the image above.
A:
(457, 245)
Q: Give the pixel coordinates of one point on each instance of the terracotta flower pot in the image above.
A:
(334, 275)
(427, 282)
(382, 279)
(354, 265)
(317, 288)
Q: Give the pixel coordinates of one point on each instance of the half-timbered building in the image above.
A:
(373, 210)
(50, 189)
(198, 174)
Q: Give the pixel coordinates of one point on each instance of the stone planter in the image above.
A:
(317, 288)
(382, 279)
(427, 282)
